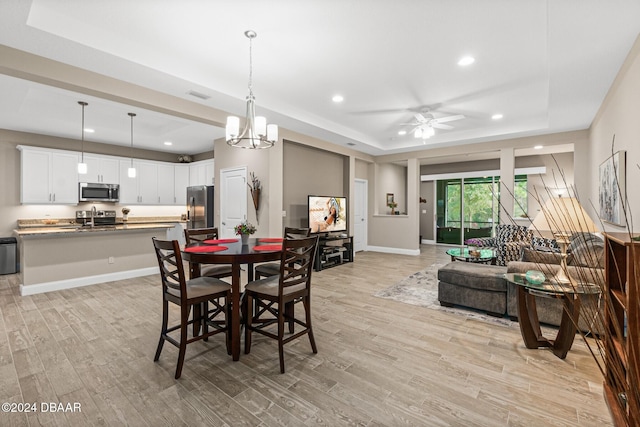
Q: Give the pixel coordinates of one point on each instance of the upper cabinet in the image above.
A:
(156, 183)
(103, 169)
(143, 189)
(202, 173)
(48, 176)
(166, 184)
(181, 182)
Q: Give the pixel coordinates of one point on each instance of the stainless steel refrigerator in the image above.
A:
(200, 206)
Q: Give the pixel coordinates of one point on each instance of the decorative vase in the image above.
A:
(245, 239)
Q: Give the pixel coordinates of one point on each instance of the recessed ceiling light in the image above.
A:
(402, 132)
(337, 98)
(89, 130)
(497, 116)
(537, 147)
(168, 143)
(466, 60)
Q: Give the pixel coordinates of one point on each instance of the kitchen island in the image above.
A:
(62, 257)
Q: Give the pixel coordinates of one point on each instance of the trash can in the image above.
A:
(8, 264)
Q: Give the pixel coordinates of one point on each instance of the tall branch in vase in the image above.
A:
(255, 188)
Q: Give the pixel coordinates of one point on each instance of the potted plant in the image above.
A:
(244, 230)
(125, 214)
(392, 205)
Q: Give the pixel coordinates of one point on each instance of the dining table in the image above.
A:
(234, 253)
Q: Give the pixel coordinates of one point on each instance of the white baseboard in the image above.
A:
(59, 285)
(398, 251)
(428, 242)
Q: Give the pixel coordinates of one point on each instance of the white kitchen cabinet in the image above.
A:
(201, 173)
(147, 182)
(128, 186)
(141, 190)
(102, 169)
(166, 184)
(181, 182)
(48, 176)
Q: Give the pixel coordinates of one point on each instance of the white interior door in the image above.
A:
(233, 199)
(360, 215)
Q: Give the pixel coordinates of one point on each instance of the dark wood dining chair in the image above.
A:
(198, 235)
(275, 297)
(273, 268)
(187, 294)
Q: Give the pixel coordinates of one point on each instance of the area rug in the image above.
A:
(421, 289)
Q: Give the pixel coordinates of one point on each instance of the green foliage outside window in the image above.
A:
(481, 201)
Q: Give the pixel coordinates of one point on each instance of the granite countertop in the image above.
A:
(66, 226)
(66, 222)
(79, 229)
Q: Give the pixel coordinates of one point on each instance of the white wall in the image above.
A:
(618, 116)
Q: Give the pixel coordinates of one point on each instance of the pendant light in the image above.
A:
(256, 133)
(131, 172)
(82, 166)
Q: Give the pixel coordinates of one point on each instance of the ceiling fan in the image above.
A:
(425, 123)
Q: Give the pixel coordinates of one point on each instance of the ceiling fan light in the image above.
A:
(428, 133)
(418, 133)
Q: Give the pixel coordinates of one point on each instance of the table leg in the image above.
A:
(567, 330)
(235, 311)
(250, 272)
(530, 324)
(528, 320)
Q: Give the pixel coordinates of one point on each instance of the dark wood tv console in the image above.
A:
(333, 250)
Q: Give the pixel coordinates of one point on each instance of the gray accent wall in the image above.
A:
(310, 171)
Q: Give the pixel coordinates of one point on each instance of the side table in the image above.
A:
(483, 255)
(528, 316)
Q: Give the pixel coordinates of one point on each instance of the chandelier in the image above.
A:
(256, 132)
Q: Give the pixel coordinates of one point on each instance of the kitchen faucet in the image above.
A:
(93, 216)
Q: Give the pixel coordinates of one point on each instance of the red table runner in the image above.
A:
(195, 249)
(271, 239)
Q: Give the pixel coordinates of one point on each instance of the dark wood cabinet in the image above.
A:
(622, 384)
(333, 251)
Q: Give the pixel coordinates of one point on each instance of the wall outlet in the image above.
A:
(284, 214)
(111, 260)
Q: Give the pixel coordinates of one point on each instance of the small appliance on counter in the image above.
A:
(99, 217)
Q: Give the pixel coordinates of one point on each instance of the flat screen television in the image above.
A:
(327, 214)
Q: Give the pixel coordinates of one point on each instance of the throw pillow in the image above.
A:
(586, 250)
(540, 257)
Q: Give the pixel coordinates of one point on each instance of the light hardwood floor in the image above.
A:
(380, 362)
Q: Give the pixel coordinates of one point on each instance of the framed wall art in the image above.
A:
(612, 190)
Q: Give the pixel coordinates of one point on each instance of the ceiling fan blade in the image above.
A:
(449, 118)
(441, 126)
(420, 118)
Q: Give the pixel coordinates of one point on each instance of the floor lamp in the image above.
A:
(562, 216)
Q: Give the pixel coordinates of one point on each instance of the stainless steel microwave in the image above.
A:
(96, 192)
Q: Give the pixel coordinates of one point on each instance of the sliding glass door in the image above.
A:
(470, 207)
